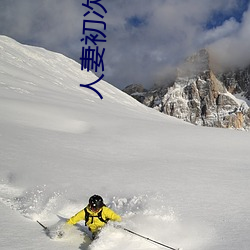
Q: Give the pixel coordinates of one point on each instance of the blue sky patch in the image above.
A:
(136, 21)
(219, 17)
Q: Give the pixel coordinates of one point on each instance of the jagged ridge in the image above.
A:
(200, 96)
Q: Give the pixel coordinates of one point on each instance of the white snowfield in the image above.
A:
(185, 186)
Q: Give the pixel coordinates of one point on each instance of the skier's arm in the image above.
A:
(77, 217)
(110, 214)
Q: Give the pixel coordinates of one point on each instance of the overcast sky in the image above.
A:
(145, 38)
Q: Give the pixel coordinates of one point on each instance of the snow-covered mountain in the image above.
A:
(182, 185)
(201, 96)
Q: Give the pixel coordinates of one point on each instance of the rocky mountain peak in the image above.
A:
(200, 96)
(196, 64)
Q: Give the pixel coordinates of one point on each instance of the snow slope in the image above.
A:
(176, 183)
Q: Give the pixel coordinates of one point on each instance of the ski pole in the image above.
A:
(45, 228)
(146, 238)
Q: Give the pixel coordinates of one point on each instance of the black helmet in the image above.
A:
(96, 202)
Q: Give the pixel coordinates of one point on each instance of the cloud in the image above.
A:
(228, 28)
(50, 23)
(233, 49)
(145, 38)
(171, 31)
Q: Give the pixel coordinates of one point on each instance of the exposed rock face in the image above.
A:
(199, 97)
(137, 91)
(237, 81)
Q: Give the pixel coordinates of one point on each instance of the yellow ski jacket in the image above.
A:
(94, 223)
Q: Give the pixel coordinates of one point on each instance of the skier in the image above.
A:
(95, 214)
